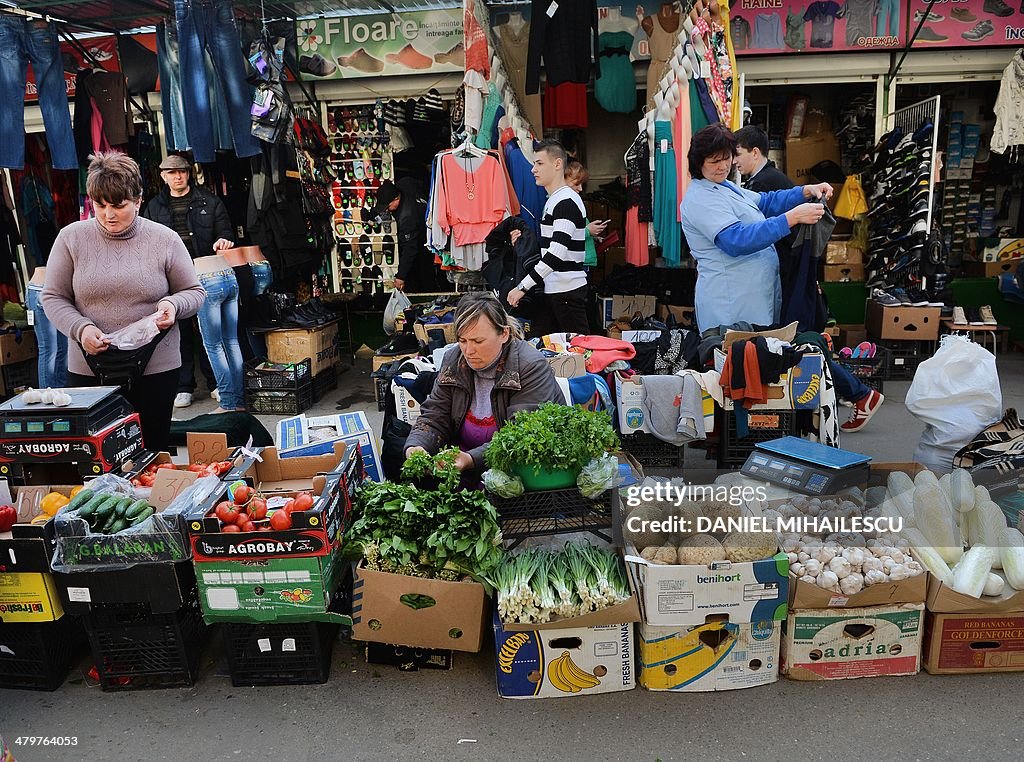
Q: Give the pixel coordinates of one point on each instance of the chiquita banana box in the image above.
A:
(715, 656)
(570, 662)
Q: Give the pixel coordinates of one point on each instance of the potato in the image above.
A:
(701, 549)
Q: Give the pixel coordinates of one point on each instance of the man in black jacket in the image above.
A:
(202, 221)
(406, 202)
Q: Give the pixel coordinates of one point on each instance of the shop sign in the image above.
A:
(784, 26)
(382, 45)
(103, 51)
(967, 24)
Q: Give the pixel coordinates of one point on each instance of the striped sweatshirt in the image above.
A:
(562, 244)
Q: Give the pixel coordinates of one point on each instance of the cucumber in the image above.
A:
(118, 526)
(122, 506)
(83, 497)
(106, 507)
(135, 509)
(90, 507)
(145, 514)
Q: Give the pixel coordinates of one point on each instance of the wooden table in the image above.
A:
(996, 332)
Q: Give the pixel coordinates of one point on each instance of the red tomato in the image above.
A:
(303, 502)
(243, 493)
(258, 508)
(231, 528)
(196, 467)
(227, 512)
(280, 520)
(163, 466)
(242, 517)
(248, 526)
(288, 507)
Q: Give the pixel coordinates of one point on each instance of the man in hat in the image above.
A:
(202, 221)
(406, 202)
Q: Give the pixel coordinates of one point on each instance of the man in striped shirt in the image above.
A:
(562, 242)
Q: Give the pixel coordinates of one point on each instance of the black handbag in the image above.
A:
(122, 367)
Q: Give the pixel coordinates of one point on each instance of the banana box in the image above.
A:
(575, 661)
(715, 656)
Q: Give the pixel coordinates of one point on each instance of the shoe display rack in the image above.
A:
(961, 150)
(366, 251)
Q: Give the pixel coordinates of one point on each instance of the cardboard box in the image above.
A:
(991, 269)
(15, 348)
(944, 600)
(804, 153)
(839, 644)
(716, 655)
(31, 597)
(911, 323)
(28, 547)
(410, 659)
(164, 587)
(315, 532)
(319, 344)
(798, 389)
(271, 589)
(685, 317)
(407, 407)
(301, 435)
(1003, 249)
(631, 407)
(379, 361)
(423, 330)
(679, 595)
(804, 595)
(382, 612)
(614, 256)
(614, 307)
(576, 661)
(568, 365)
(973, 643)
(843, 253)
(844, 273)
(850, 335)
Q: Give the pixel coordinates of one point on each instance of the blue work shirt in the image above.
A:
(731, 233)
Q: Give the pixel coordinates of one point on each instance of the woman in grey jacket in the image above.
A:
(490, 376)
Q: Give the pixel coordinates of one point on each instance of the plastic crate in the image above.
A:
(293, 653)
(651, 452)
(135, 648)
(554, 511)
(37, 655)
(904, 357)
(324, 381)
(762, 426)
(291, 376)
(18, 376)
(868, 368)
(290, 402)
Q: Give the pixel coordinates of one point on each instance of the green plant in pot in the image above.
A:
(548, 447)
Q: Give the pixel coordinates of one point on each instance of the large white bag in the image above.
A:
(956, 394)
(397, 304)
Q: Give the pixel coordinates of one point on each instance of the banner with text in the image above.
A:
(968, 23)
(782, 26)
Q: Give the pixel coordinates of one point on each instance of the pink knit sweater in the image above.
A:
(94, 278)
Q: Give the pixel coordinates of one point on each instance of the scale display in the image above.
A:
(807, 467)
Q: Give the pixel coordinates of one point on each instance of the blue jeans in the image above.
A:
(53, 345)
(175, 133)
(848, 386)
(218, 322)
(22, 40)
(209, 25)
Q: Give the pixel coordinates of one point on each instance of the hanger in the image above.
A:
(468, 148)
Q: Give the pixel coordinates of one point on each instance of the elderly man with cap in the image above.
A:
(202, 221)
(406, 202)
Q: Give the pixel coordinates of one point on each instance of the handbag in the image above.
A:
(851, 202)
(122, 367)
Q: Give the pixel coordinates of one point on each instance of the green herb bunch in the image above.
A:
(553, 437)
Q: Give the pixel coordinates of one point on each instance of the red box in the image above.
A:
(973, 643)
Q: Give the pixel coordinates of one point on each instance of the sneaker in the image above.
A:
(215, 394)
(979, 31)
(917, 297)
(919, 15)
(959, 316)
(184, 399)
(974, 316)
(987, 316)
(997, 8)
(901, 296)
(886, 300)
(862, 412)
(927, 34)
(963, 15)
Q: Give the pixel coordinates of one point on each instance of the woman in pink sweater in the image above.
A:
(105, 273)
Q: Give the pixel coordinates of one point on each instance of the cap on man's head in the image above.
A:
(176, 162)
(386, 193)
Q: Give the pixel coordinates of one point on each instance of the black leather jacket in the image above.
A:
(207, 218)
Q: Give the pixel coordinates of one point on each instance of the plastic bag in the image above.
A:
(956, 394)
(159, 538)
(599, 475)
(501, 484)
(397, 304)
(136, 335)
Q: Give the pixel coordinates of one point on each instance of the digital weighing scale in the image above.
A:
(807, 467)
(92, 409)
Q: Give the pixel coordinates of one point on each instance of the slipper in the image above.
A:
(862, 350)
(846, 352)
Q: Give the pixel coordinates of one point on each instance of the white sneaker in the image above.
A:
(184, 399)
(959, 316)
(215, 394)
(987, 316)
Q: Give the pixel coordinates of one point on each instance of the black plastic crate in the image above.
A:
(652, 452)
(289, 653)
(37, 655)
(553, 511)
(868, 368)
(19, 376)
(290, 402)
(904, 357)
(290, 376)
(135, 648)
(324, 381)
(762, 426)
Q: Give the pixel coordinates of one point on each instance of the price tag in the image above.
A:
(705, 69)
(552, 9)
(663, 146)
(288, 644)
(264, 644)
(207, 448)
(30, 315)
(79, 595)
(838, 600)
(168, 484)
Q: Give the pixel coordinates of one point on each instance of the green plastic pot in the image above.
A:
(536, 478)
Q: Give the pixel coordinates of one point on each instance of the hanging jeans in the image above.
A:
(53, 345)
(209, 25)
(666, 226)
(888, 22)
(218, 322)
(175, 133)
(21, 41)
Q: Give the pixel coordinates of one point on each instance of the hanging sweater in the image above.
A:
(1009, 110)
(110, 281)
(566, 40)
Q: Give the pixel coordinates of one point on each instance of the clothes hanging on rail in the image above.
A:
(564, 35)
(662, 42)
(514, 47)
(638, 200)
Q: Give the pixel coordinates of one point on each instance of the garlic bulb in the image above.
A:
(875, 577)
(32, 397)
(802, 556)
(828, 580)
(792, 558)
(852, 583)
(797, 569)
(871, 563)
(840, 566)
(813, 567)
(899, 571)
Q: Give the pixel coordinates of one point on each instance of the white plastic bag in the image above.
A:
(136, 335)
(956, 394)
(397, 304)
